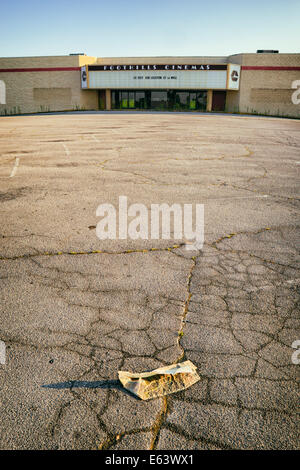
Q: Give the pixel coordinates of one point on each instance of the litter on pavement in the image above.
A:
(159, 382)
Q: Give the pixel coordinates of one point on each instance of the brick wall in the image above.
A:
(266, 91)
(39, 91)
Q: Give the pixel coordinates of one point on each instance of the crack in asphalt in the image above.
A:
(92, 252)
(166, 408)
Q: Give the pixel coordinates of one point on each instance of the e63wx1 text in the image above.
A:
(170, 459)
(152, 459)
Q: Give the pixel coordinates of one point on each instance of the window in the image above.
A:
(183, 100)
(159, 99)
(124, 99)
(140, 101)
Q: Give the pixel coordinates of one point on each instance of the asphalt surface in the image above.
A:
(72, 317)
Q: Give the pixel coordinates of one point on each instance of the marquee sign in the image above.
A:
(161, 76)
(118, 68)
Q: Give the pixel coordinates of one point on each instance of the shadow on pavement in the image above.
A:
(108, 384)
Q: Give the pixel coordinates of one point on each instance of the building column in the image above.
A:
(108, 100)
(209, 100)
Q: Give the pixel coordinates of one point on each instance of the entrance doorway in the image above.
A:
(162, 100)
(102, 99)
(218, 100)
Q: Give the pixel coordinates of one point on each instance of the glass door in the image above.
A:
(193, 101)
(140, 101)
(201, 100)
(159, 99)
(124, 99)
(131, 99)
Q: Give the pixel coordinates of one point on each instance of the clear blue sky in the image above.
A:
(112, 28)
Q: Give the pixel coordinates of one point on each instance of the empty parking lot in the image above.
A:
(75, 309)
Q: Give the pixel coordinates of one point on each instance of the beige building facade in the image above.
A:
(261, 83)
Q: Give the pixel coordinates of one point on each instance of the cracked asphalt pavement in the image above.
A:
(75, 310)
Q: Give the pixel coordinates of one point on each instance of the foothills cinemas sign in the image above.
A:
(165, 76)
(113, 68)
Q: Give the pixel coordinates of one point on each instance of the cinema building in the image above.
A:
(263, 83)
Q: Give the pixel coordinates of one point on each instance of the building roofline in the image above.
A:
(42, 56)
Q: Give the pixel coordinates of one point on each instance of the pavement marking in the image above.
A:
(66, 149)
(14, 170)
